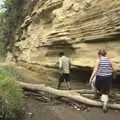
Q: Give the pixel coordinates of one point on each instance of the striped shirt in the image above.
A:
(64, 64)
(105, 67)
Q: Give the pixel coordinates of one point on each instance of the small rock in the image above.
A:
(23, 108)
(78, 109)
(75, 107)
(116, 110)
(87, 110)
(30, 114)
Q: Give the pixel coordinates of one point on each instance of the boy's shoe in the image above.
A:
(70, 89)
(105, 110)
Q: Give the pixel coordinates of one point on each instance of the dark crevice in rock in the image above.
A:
(79, 74)
(102, 38)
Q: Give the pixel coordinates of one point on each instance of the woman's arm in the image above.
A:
(94, 71)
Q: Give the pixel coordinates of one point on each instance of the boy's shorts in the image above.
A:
(64, 77)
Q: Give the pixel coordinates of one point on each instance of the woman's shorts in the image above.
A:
(103, 83)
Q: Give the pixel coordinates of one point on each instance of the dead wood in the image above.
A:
(73, 95)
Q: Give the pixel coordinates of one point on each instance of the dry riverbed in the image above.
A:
(57, 110)
(36, 110)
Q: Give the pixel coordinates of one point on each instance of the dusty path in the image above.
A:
(62, 111)
(49, 111)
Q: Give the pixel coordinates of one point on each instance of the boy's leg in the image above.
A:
(59, 85)
(67, 79)
(69, 85)
(61, 79)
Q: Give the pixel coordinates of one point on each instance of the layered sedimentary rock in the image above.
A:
(77, 27)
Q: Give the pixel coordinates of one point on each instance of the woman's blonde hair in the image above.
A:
(102, 52)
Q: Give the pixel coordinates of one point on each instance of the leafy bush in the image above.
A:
(11, 96)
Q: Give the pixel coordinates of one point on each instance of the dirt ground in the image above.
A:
(37, 110)
(48, 78)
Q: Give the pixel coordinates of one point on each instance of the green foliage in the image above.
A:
(11, 95)
(2, 29)
(10, 19)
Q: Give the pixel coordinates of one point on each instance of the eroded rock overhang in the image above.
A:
(77, 27)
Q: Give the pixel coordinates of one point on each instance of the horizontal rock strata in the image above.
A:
(77, 27)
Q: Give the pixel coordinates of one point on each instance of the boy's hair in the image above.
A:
(102, 52)
(61, 54)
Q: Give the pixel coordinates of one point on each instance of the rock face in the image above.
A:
(77, 27)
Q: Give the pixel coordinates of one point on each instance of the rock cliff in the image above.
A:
(77, 27)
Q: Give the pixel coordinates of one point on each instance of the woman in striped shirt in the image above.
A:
(103, 72)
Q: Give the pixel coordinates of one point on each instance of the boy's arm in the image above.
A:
(60, 64)
(69, 64)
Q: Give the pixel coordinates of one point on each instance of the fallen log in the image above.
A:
(91, 96)
(83, 91)
(68, 94)
(112, 98)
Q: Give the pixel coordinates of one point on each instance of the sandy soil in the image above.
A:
(62, 111)
(46, 77)
(36, 110)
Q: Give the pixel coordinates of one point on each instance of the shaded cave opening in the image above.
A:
(82, 75)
